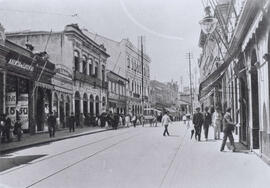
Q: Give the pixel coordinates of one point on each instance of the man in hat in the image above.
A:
(198, 122)
(207, 122)
(52, 124)
(228, 129)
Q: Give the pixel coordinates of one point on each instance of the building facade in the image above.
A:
(78, 57)
(126, 61)
(244, 75)
(117, 95)
(23, 76)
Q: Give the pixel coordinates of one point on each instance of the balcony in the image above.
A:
(136, 95)
(89, 79)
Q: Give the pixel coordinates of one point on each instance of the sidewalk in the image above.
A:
(43, 138)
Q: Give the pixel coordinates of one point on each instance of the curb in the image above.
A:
(15, 148)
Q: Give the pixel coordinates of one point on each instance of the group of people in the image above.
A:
(7, 130)
(215, 119)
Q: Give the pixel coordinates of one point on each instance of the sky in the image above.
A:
(171, 27)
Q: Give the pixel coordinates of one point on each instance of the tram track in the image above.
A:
(82, 160)
(64, 152)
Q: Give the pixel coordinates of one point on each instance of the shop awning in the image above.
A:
(44, 85)
(209, 83)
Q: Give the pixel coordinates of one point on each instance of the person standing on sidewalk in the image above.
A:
(134, 120)
(51, 123)
(198, 122)
(165, 121)
(228, 129)
(127, 120)
(216, 120)
(72, 123)
(207, 122)
(18, 129)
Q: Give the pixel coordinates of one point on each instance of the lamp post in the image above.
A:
(208, 23)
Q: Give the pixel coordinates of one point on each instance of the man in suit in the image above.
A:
(72, 123)
(198, 122)
(207, 122)
(228, 129)
(52, 123)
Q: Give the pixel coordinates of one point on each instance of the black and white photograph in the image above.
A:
(134, 93)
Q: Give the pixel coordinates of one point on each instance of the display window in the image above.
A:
(17, 100)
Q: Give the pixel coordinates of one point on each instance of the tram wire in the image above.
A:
(64, 152)
(173, 159)
(85, 158)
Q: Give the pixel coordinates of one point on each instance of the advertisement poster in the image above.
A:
(11, 106)
(23, 110)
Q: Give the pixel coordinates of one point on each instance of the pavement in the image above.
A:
(134, 157)
(28, 140)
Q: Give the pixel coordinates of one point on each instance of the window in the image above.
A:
(128, 62)
(90, 67)
(84, 65)
(96, 70)
(103, 73)
(77, 61)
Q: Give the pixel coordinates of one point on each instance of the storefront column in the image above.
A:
(4, 91)
(81, 105)
(94, 107)
(73, 104)
(65, 113)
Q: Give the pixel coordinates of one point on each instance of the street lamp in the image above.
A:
(208, 23)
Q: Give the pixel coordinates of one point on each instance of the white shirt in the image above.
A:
(165, 120)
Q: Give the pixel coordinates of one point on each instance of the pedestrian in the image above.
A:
(72, 123)
(207, 122)
(7, 127)
(142, 120)
(81, 120)
(18, 129)
(2, 126)
(51, 123)
(134, 120)
(228, 129)
(216, 121)
(127, 120)
(190, 126)
(198, 122)
(165, 121)
(115, 121)
(184, 118)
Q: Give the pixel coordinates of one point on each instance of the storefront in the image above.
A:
(17, 73)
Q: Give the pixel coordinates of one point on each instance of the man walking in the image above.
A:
(207, 122)
(198, 122)
(52, 124)
(165, 121)
(72, 123)
(228, 129)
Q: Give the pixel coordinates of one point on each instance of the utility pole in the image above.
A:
(142, 73)
(189, 56)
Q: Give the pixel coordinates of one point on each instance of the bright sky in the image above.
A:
(170, 26)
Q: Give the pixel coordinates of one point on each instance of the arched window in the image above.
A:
(77, 60)
(128, 62)
(96, 69)
(90, 61)
(97, 105)
(103, 101)
(84, 65)
(91, 105)
(103, 73)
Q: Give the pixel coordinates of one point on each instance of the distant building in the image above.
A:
(117, 95)
(125, 60)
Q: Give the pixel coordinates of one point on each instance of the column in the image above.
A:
(65, 117)
(4, 91)
(73, 104)
(81, 105)
(94, 106)
(87, 67)
(81, 65)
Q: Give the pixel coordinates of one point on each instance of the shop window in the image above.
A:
(84, 65)
(90, 67)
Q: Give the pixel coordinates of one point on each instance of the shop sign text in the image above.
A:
(21, 65)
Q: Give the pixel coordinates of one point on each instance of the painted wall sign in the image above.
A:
(23, 110)
(21, 65)
(61, 69)
(11, 106)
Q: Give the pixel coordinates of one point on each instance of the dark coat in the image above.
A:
(71, 121)
(198, 119)
(52, 121)
(207, 119)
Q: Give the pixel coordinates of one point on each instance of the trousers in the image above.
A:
(166, 130)
(227, 134)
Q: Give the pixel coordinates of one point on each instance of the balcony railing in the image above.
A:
(89, 79)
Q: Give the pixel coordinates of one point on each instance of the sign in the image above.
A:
(21, 65)
(61, 69)
(11, 106)
(23, 110)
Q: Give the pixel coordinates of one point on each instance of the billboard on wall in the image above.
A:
(11, 106)
(23, 110)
